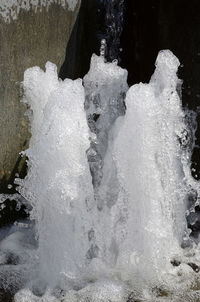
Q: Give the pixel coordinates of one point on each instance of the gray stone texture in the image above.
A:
(32, 39)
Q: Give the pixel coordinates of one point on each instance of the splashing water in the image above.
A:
(114, 25)
(105, 89)
(62, 196)
(148, 157)
(108, 181)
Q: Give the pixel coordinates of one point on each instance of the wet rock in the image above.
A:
(5, 296)
(175, 262)
(160, 292)
(132, 298)
(195, 267)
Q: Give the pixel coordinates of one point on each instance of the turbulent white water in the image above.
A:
(62, 195)
(148, 157)
(105, 90)
(108, 188)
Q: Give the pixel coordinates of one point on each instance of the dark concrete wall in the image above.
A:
(32, 39)
(84, 40)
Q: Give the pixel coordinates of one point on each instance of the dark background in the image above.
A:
(149, 26)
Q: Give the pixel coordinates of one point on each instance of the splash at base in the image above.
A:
(110, 224)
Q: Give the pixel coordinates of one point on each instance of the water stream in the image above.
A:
(109, 188)
(108, 182)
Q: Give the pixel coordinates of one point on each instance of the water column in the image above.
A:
(105, 89)
(149, 162)
(114, 25)
(58, 184)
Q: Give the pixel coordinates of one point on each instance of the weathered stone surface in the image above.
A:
(35, 36)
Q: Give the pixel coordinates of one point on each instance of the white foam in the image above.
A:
(125, 242)
(148, 156)
(58, 184)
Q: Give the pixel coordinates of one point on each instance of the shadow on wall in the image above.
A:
(84, 40)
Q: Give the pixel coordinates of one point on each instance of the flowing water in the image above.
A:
(108, 183)
(109, 187)
(114, 18)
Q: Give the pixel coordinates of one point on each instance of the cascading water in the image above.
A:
(122, 225)
(114, 25)
(148, 157)
(62, 196)
(109, 184)
(105, 89)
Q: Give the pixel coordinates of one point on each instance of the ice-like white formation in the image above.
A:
(97, 292)
(105, 89)
(125, 238)
(58, 184)
(149, 160)
(10, 9)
